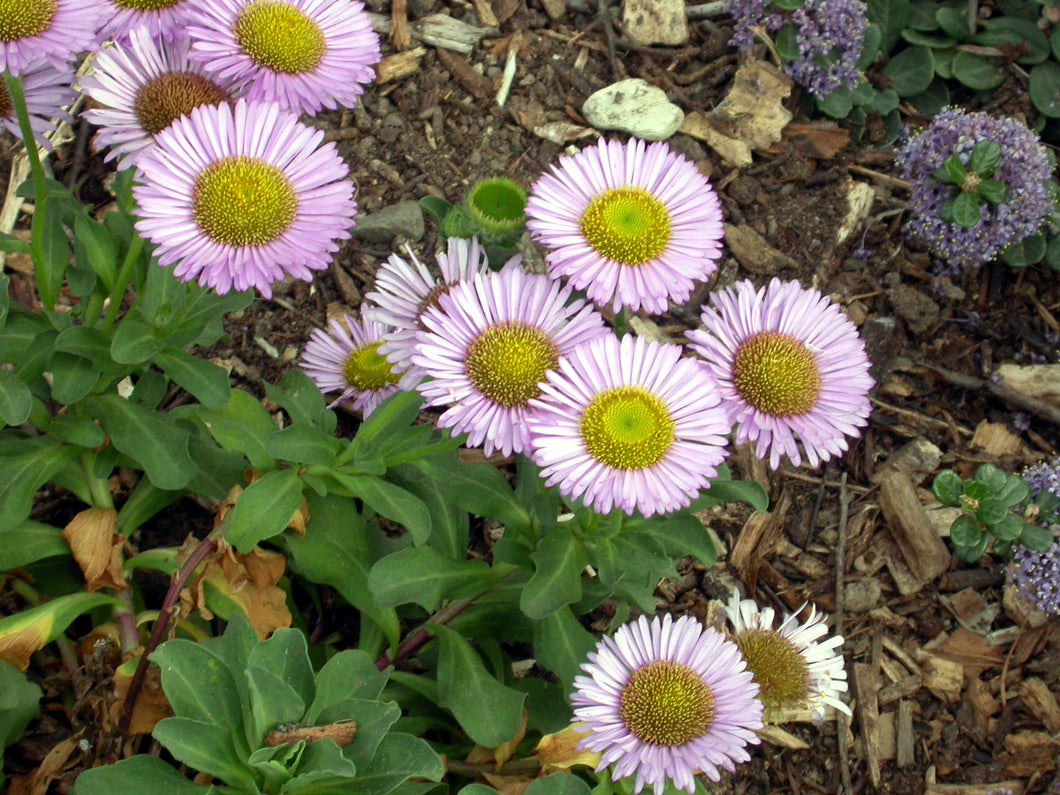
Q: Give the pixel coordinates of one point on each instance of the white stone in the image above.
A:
(655, 21)
(636, 107)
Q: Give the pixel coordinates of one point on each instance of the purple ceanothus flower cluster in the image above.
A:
(1024, 168)
(829, 34)
(1036, 575)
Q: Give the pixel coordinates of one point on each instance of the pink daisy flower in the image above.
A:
(47, 91)
(144, 86)
(164, 19)
(791, 664)
(242, 197)
(789, 364)
(405, 291)
(664, 700)
(346, 359)
(303, 54)
(628, 423)
(54, 29)
(631, 224)
(489, 344)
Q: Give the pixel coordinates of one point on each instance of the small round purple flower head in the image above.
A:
(47, 91)
(405, 291)
(487, 346)
(242, 197)
(304, 54)
(164, 19)
(54, 29)
(631, 224)
(792, 666)
(346, 359)
(629, 423)
(1036, 577)
(828, 33)
(1023, 170)
(664, 699)
(789, 364)
(1043, 477)
(144, 86)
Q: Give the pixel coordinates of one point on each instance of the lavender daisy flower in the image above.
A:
(629, 423)
(163, 19)
(346, 358)
(489, 344)
(47, 91)
(789, 364)
(664, 699)
(631, 224)
(792, 666)
(242, 197)
(144, 86)
(323, 58)
(54, 29)
(1023, 170)
(405, 291)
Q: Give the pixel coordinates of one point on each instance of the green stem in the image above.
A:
(101, 497)
(93, 309)
(131, 256)
(621, 322)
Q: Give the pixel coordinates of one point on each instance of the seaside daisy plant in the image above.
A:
(977, 185)
(632, 224)
(796, 665)
(163, 19)
(628, 423)
(345, 358)
(142, 86)
(303, 54)
(47, 91)
(53, 29)
(488, 344)
(791, 369)
(243, 196)
(819, 41)
(405, 290)
(662, 700)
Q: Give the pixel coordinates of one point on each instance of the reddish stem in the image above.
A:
(417, 639)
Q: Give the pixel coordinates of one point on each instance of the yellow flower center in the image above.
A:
(279, 37)
(507, 361)
(666, 703)
(628, 225)
(777, 374)
(164, 99)
(627, 428)
(243, 201)
(779, 670)
(146, 5)
(23, 19)
(366, 370)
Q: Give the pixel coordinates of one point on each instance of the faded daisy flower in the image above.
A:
(47, 91)
(789, 364)
(404, 291)
(631, 224)
(665, 699)
(53, 29)
(144, 86)
(629, 424)
(487, 346)
(304, 54)
(792, 666)
(163, 19)
(242, 197)
(346, 359)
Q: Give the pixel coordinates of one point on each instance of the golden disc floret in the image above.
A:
(777, 374)
(507, 361)
(666, 703)
(627, 428)
(279, 37)
(628, 225)
(243, 201)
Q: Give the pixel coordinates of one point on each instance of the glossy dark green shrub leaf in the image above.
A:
(892, 16)
(786, 43)
(991, 511)
(933, 40)
(934, 98)
(1017, 31)
(953, 22)
(965, 531)
(1008, 528)
(1044, 87)
(991, 476)
(994, 191)
(948, 488)
(984, 158)
(1052, 254)
(870, 46)
(965, 209)
(922, 15)
(971, 554)
(1026, 252)
(977, 72)
(1036, 537)
(911, 71)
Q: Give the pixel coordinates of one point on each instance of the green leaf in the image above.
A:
(423, 576)
(272, 702)
(934, 40)
(22, 473)
(241, 426)
(977, 72)
(303, 443)
(934, 98)
(389, 500)
(301, 399)
(562, 644)
(153, 440)
(140, 773)
(952, 170)
(436, 208)
(55, 250)
(449, 523)
(322, 769)
(948, 488)
(1028, 251)
(559, 560)
(73, 378)
(1008, 29)
(207, 382)
(911, 71)
(984, 159)
(98, 247)
(558, 784)
(207, 747)
(1044, 87)
(482, 490)
(680, 534)
(29, 542)
(134, 342)
(18, 703)
(1036, 537)
(1008, 529)
(971, 554)
(883, 102)
(398, 758)
(200, 685)
(994, 191)
(991, 511)
(922, 15)
(264, 509)
(350, 674)
(286, 656)
(15, 399)
(1054, 43)
(953, 22)
(488, 711)
(991, 476)
(870, 47)
(892, 16)
(965, 531)
(1052, 254)
(9, 244)
(1014, 491)
(42, 624)
(965, 209)
(786, 42)
(88, 342)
